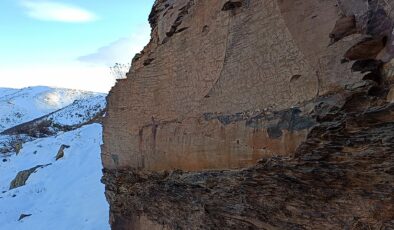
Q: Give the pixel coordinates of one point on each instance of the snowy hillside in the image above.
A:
(79, 112)
(23, 105)
(52, 181)
(5, 91)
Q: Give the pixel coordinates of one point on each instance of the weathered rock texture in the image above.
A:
(287, 101)
(23, 176)
(60, 152)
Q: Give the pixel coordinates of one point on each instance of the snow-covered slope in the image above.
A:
(79, 112)
(64, 193)
(6, 91)
(23, 105)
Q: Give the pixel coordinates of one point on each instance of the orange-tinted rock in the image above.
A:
(224, 84)
(241, 61)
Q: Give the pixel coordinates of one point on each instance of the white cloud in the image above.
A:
(53, 11)
(120, 51)
(64, 75)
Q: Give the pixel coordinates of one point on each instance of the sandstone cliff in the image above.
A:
(278, 112)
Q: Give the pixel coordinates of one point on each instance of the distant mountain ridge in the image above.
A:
(75, 115)
(22, 105)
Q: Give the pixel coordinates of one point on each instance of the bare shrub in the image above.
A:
(119, 70)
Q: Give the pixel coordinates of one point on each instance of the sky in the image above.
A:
(69, 43)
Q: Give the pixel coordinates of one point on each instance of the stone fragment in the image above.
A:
(344, 27)
(23, 216)
(367, 49)
(22, 176)
(60, 152)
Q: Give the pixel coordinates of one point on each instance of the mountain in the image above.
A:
(22, 105)
(50, 167)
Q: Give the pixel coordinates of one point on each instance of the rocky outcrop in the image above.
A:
(23, 216)
(340, 178)
(273, 114)
(60, 152)
(23, 176)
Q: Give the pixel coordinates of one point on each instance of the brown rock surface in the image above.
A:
(22, 176)
(60, 152)
(238, 63)
(224, 84)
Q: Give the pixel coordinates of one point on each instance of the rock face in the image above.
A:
(274, 114)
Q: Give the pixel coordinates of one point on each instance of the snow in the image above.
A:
(23, 105)
(66, 194)
(79, 112)
(6, 91)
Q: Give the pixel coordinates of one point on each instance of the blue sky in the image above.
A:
(69, 43)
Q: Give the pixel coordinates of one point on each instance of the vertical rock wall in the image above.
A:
(225, 83)
(207, 71)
